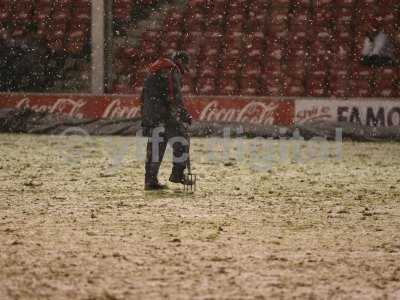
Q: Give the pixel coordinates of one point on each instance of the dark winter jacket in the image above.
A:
(161, 96)
(378, 50)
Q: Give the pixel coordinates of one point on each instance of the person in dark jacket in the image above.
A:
(378, 49)
(165, 119)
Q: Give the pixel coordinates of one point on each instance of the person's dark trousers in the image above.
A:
(177, 136)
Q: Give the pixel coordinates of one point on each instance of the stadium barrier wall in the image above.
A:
(267, 111)
(366, 118)
(360, 112)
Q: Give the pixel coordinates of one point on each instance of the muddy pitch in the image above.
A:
(76, 224)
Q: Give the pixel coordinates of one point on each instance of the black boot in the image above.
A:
(178, 176)
(155, 186)
(150, 179)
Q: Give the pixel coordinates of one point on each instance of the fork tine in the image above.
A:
(192, 178)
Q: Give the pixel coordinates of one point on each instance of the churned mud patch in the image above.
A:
(279, 219)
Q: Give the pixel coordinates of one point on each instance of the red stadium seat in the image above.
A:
(323, 3)
(57, 28)
(173, 36)
(361, 81)
(173, 21)
(300, 18)
(5, 10)
(62, 4)
(293, 87)
(280, 4)
(194, 22)
(235, 23)
(137, 81)
(387, 73)
(385, 88)
(271, 79)
(22, 11)
(213, 39)
(320, 52)
(339, 72)
(297, 39)
(191, 39)
(42, 12)
(75, 42)
(250, 85)
(297, 68)
(387, 19)
(206, 86)
(129, 53)
(121, 86)
(346, 3)
(361, 72)
(322, 34)
(255, 41)
(385, 82)
(272, 69)
(150, 36)
(195, 55)
(278, 20)
(323, 15)
(208, 71)
(257, 18)
(317, 73)
(230, 70)
(228, 86)
(220, 6)
(234, 42)
(122, 10)
(316, 88)
(237, 7)
(215, 23)
(197, 4)
(251, 70)
(143, 3)
(360, 88)
(150, 45)
(343, 17)
(273, 87)
(302, 3)
(343, 37)
(258, 5)
(56, 46)
(188, 84)
(170, 42)
(338, 87)
(275, 50)
(365, 15)
(231, 62)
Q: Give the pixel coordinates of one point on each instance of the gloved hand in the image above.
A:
(186, 117)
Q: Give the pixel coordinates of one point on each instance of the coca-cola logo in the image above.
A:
(116, 109)
(254, 112)
(79, 108)
(313, 113)
(64, 106)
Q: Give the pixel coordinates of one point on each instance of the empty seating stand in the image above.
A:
(238, 47)
(62, 25)
(278, 48)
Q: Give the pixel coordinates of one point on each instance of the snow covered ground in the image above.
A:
(75, 222)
